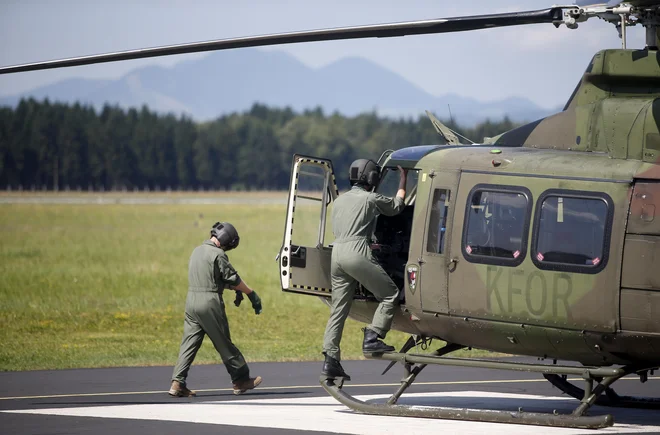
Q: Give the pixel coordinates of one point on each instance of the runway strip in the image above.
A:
(108, 401)
(326, 415)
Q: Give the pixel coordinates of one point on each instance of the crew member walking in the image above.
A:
(209, 273)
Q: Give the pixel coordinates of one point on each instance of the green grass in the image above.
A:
(105, 285)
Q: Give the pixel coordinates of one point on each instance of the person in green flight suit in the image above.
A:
(354, 216)
(209, 273)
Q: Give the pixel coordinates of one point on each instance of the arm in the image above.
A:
(231, 279)
(393, 206)
(241, 286)
(403, 175)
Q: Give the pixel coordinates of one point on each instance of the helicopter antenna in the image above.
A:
(458, 134)
(444, 131)
(451, 118)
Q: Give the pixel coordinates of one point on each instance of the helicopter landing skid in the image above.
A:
(414, 364)
(519, 417)
(609, 398)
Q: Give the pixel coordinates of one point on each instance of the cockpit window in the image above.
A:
(572, 231)
(389, 183)
(496, 225)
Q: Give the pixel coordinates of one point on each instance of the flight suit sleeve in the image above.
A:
(228, 274)
(386, 205)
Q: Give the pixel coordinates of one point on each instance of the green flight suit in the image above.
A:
(209, 272)
(354, 216)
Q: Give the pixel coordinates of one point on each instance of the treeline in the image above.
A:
(55, 146)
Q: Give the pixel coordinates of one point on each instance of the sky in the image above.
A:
(538, 62)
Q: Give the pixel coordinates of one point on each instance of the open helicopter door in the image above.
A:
(305, 254)
(435, 263)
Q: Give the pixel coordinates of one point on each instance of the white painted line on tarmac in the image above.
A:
(288, 387)
(326, 415)
(301, 387)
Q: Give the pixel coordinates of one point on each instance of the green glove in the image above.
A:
(256, 302)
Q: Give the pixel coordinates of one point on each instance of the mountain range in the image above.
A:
(232, 81)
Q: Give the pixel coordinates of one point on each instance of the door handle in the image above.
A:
(421, 261)
(452, 264)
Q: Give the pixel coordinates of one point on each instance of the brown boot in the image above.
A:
(241, 387)
(180, 390)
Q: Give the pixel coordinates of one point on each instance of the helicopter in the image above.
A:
(542, 241)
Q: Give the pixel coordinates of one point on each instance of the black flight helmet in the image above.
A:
(226, 235)
(365, 173)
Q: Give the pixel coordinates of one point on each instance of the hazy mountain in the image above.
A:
(231, 81)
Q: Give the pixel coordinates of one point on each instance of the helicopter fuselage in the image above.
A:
(493, 283)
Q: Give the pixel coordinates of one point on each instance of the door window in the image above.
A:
(437, 221)
(310, 213)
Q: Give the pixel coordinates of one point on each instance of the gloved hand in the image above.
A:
(239, 298)
(256, 302)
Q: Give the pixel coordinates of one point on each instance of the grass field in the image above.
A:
(101, 285)
(105, 285)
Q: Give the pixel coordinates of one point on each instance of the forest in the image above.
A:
(55, 146)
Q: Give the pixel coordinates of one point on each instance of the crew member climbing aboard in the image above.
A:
(353, 220)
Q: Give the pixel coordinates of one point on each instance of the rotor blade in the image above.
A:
(640, 3)
(597, 3)
(443, 25)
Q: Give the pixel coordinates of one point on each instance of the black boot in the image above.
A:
(373, 344)
(332, 369)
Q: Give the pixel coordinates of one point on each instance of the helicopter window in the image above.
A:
(437, 221)
(572, 231)
(389, 183)
(497, 224)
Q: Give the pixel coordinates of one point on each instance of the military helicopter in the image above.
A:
(542, 241)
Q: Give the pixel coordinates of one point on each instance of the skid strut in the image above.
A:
(413, 371)
(609, 397)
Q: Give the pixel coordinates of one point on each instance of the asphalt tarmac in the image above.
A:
(135, 400)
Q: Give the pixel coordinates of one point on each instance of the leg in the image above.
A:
(214, 321)
(343, 290)
(193, 335)
(371, 275)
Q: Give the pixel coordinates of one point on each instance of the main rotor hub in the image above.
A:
(622, 15)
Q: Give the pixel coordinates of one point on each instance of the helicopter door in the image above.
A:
(434, 261)
(305, 254)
